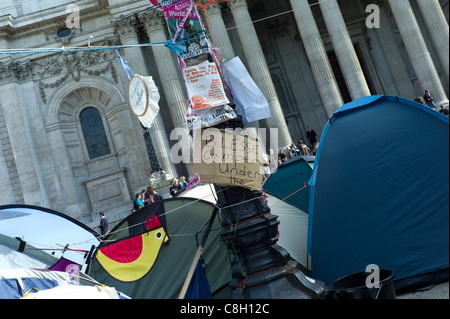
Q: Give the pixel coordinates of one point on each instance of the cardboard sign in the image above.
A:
(204, 86)
(228, 158)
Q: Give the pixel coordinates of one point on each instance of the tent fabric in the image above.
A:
(14, 283)
(74, 292)
(37, 237)
(379, 190)
(291, 176)
(183, 221)
(292, 229)
(199, 285)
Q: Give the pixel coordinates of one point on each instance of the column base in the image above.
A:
(283, 282)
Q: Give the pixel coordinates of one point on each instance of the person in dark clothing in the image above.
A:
(103, 224)
(429, 101)
(443, 110)
(311, 135)
(175, 187)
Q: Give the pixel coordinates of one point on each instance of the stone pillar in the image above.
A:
(317, 56)
(219, 34)
(345, 52)
(174, 92)
(126, 31)
(393, 58)
(52, 188)
(259, 70)
(21, 143)
(417, 50)
(438, 28)
(7, 167)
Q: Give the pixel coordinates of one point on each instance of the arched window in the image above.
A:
(94, 133)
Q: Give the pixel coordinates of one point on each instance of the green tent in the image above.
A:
(148, 254)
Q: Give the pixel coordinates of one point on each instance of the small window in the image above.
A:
(63, 33)
(94, 133)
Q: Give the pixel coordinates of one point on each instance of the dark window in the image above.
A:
(64, 32)
(94, 133)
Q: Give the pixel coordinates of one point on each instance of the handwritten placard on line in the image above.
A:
(228, 158)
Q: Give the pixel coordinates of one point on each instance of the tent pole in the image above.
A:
(198, 254)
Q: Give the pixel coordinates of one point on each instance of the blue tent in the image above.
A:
(288, 181)
(380, 192)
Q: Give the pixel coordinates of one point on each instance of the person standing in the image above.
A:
(175, 187)
(103, 224)
(138, 203)
(152, 195)
(304, 149)
(184, 183)
(429, 100)
(311, 135)
(443, 110)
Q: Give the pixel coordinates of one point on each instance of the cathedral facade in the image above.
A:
(70, 142)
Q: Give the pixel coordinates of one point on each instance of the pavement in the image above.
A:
(438, 291)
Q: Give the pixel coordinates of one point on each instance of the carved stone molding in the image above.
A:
(125, 27)
(16, 71)
(238, 3)
(152, 20)
(72, 65)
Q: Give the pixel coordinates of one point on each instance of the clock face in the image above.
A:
(138, 95)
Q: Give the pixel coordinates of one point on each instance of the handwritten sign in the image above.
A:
(228, 158)
(204, 86)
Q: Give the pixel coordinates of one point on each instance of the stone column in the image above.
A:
(219, 34)
(393, 58)
(344, 49)
(21, 143)
(417, 50)
(126, 31)
(7, 167)
(54, 191)
(258, 69)
(438, 27)
(317, 56)
(168, 71)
